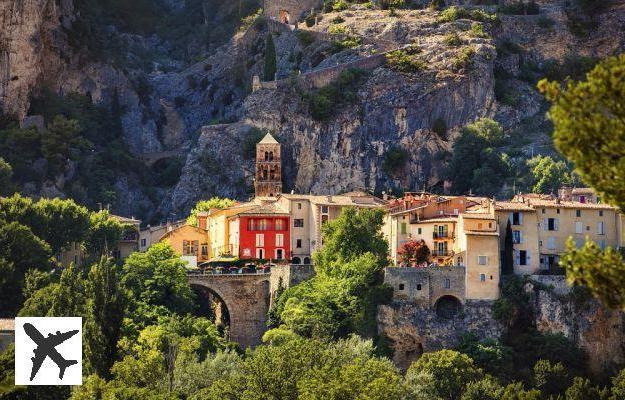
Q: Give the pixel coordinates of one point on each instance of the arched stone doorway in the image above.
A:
(210, 305)
(296, 260)
(447, 307)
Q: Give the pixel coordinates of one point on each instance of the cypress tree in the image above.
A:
(270, 59)
(508, 252)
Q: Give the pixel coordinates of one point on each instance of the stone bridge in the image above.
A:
(246, 297)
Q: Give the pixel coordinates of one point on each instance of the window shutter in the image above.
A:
(521, 240)
(517, 257)
(556, 224)
(545, 224)
(520, 218)
(510, 218)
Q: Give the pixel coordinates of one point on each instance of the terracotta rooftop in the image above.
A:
(512, 206)
(477, 215)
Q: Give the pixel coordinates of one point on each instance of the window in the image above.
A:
(517, 237)
(522, 257)
(579, 227)
(601, 213)
(578, 213)
(419, 231)
(456, 211)
(190, 247)
(482, 278)
(403, 228)
(551, 224)
(324, 219)
(298, 223)
(446, 283)
(262, 225)
(204, 250)
(517, 218)
(551, 243)
(279, 224)
(260, 240)
(143, 242)
(251, 225)
(299, 206)
(401, 286)
(582, 199)
(418, 286)
(600, 228)
(602, 244)
(324, 209)
(280, 240)
(482, 260)
(279, 254)
(557, 211)
(544, 211)
(75, 259)
(298, 243)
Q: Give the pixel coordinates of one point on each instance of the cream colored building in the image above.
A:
(477, 248)
(190, 242)
(542, 224)
(308, 214)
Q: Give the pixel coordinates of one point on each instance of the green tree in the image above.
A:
(60, 136)
(507, 267)
(270, 59)
(549, 175)
(550, 378)
(207, 205)
(516, 391)
(60, 222)
(485, 389)
(20, 250)
(489, 354)
(603, 272)
(582, 389)
(589, 126)
(618, 386)
(451, 372)
(6, 172)
(157, 284)
(105, 310)
(103, 234)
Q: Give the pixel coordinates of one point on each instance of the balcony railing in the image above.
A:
(441, 235)
(439, 253)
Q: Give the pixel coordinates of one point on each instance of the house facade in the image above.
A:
(190, 242)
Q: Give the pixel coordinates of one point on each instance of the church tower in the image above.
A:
(268, 181)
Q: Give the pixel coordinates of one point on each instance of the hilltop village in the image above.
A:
(466, 236)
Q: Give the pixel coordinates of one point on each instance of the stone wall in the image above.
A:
(424, 286)
(287, 276)
(413, 329)
(296, 8)
(247, 299)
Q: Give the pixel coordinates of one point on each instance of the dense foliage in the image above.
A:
(589, 122)
(207, 205)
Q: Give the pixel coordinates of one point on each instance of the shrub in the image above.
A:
(455, 13)
(520, 8)
(508, 47)
(477, 30)
(340, 5)
(545, 22)
(395, 160)
(405, 60)
(436, 4)
(310, 20)
(453, 39)
(338, 20)
(248, 21)
(348, 42)
(440, 128)
(305, 38)
(464, 59)
(324, 102)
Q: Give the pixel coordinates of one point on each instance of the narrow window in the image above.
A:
(418, 286)
(401, 286)
(447, 283)
(482, 278)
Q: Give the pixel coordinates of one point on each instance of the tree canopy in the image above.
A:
(207, 205)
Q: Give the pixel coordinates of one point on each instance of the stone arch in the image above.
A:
(307, 260)
(447, 306)
(266, 156)
(204, 297)
(296, 260)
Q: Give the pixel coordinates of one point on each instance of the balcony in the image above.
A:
(441, 235)
(443, 253)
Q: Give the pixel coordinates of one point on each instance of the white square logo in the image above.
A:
(48, 351)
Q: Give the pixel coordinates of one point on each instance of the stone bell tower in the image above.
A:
(268, 181)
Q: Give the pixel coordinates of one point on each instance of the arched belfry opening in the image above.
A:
(210, 305)
(268, 181)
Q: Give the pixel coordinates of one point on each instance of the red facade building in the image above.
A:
(262, 235)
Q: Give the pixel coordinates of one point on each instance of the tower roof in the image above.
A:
(268, 139)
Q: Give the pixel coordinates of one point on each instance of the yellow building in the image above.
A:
(190, 242)
(542, 224)
(477, 248)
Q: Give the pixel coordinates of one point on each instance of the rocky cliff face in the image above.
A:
(598, 331)
(166, 99)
